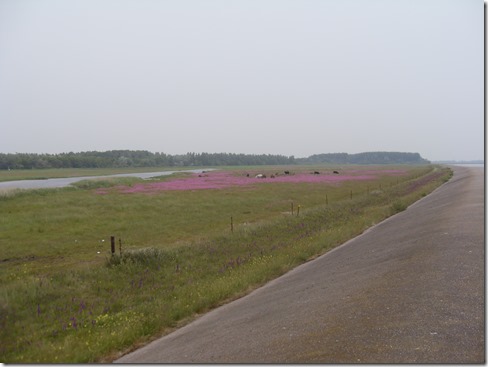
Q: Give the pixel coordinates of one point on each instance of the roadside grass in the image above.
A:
(65, 299)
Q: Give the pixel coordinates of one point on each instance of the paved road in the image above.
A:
(409, 290)
(64, 182)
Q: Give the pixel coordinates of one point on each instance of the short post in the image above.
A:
(291, 208)
(231, 225)
(112, 244)
(298, 210)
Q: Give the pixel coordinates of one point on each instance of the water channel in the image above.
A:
(64, 182)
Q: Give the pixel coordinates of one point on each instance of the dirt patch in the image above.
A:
(423, 181)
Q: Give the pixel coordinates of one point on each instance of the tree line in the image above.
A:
(365, 158)
(135, 158)
(143, 158)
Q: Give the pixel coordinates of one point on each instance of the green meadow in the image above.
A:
(43, 174)
(65, 298)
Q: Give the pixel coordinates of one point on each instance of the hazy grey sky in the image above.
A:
(291, 77)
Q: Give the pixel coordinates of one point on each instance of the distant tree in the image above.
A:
(142, 158)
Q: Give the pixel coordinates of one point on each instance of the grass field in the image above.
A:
(42, 174)
(65, 298)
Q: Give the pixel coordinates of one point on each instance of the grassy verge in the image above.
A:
(64, 298)
(43, 174)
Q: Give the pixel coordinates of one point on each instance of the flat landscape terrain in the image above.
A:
(410, 290)
(184, 244)
(57, 182)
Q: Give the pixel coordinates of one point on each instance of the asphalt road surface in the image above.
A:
(409, 290)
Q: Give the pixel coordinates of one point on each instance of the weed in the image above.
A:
(398, 206)
(146, 256)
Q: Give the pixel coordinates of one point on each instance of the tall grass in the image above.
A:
(62, 301)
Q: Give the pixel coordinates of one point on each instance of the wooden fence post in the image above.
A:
(112, 244)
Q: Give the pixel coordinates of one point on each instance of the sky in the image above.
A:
(289, 77)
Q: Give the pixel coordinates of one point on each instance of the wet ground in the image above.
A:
(64, 182)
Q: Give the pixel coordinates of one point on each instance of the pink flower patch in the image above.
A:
(224, 179)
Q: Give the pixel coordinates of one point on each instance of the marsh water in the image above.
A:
(64, 182)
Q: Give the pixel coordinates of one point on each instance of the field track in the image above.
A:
(409, 290)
